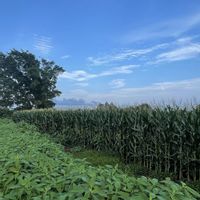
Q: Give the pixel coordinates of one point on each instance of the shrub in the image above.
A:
(5, 113)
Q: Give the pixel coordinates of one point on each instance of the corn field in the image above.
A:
(161, 139)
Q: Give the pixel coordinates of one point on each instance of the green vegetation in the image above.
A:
(34, 167)
(98, 158)
(164, 140)
(26, 82)
(5, 113)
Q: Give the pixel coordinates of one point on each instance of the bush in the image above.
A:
(5, 113)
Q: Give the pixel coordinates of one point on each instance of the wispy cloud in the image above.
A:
(125, 69)
(184, 84)
(78, 75)
(82, 84)
(185, 40)
(163, 91)
(127, 54)
(178, 49)
(117, 83)
(65, 56)
(171, 28)
(81, 75)
(43, 44)
(182, 53)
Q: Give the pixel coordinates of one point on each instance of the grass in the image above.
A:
(98, 158)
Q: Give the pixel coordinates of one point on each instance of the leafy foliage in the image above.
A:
(160, 139)
(26, 82)
(33, 167)
(5, 113)
(99, 158)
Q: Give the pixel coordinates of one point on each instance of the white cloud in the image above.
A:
(184, 84)
(80, 75)
(185, 40)
(43, 44)
(117, 83)
(125, 69)
(65, 56)
(181, 48)
(123, 55)
(163, 91)
(171, 28)
(182, 53)
(82, 84)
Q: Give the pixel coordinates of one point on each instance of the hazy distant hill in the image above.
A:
(74, 103)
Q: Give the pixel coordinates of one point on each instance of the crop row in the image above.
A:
(161, 139)
(33, 167)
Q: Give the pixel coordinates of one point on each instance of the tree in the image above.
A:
(26, 82)
(106, 106)
(198, 107)
(144, 106)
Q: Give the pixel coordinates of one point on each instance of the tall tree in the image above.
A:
(7, 85)
(26, 82)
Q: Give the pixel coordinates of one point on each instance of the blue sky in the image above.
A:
(124, 51)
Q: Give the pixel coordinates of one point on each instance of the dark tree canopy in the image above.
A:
(26, 82)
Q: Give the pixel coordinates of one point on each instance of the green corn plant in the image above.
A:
(164, 139)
